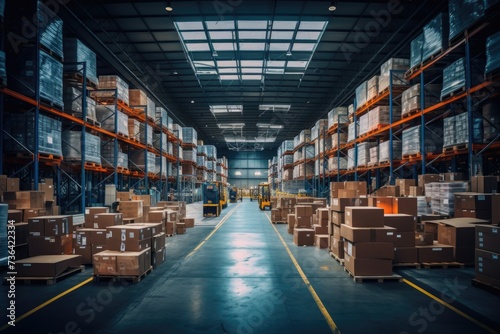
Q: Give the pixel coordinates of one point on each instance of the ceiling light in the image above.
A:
(257, 173)
(237, 173)
(333, 6)
(231, 125)
(289, 53)
(192, 101)
(215, 54)
(169, 7)
(269, 126)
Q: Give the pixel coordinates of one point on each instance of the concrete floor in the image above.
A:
(242, 280)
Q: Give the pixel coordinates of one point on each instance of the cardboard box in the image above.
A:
(21, 231)
(33, 213)
(473, 201)
(146, 199)
(21, 251)
(451, 177)
(404, 239)
(424, 239)
(25, 199)
(336, 231)
(105, 263)
(181, 228)
(365, 234)
(104, 220)
(133, 238)
(402, 222)
(50, 245)
(133, 263)
(337, 218)
(349, 193)
(321, 240)
(303, 237)
(404, 186)
(291, 221)
(16, 216)
(457, 232)
(98, 236)
(290, 230)
(8, 184)
(488, 263)
(189, 222)
(495, 213)
(435, 253)
(98, 248)
(85, 252)
(303, 222)
(381, 202)
(322, 214)
(488, 238)
(318, 229)
(334, 189)
(36, 226)
(387, 191)
(91, 211)
(303, 211)
(159, 257)
(157, 216)
(156, 228)
(427, 178)
(364, 216)
(339, 204)
(123, 196)
(369, 250)
(170, 228)
(405, 205)
(368, 267)
(495, 282)
(405, 255)
(131, 209)
(480, 214)
(384, 234)
(56, 225)
(158, 242)
(337, 247)
(484, 184)
(46, 265)
(416, 191)
(83, 237)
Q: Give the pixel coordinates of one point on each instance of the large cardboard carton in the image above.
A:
(435, 253)
(15, 216)
(405, 255)
(181, 228)
(33, 213)
(133, 263)
(90, 212)
(85, 251)
(291, 220)
(367, 234)
(189, 222)
(56, 225)
(405, 205)
(158, 242)
(50, 245)
(488, 263)
(159, 257)
(337, 247)
(364, 216)
(368, 267)
(404, 186)
(46, 265)
(104, 220)
(25, 199)
(382, 202)
(339, 204)
(105, 263)
(402, 222)
(484, 184)
(36, 226)
(369, 250)
(337, 218)
(303, 237)
(132, 237)
(131, 209)
(404, 239)
(488, 238)
(321, 240)
(21, 232)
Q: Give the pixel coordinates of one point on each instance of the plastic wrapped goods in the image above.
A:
(463, 14)
(134, 129)
(453, 78)
(287, 160)
(21, 127)
(337, 163)
(287, 145)
(201, 160)
(372, 87)
(3, 71)
(398, 66)
(374, 155)
(364, 153)
(361, 94)
(380, 116)
(189, 136)
(112, 86)
(351, 135)
(160, 142)
(163, 168)
(337, 116)
(108, 156)
(319, 129)
(75, 52)
(433, 140)
(492, 53)
(73, 103)
(139, 159)
(416, 50)
(384, 152)
(435, 33)
(351, 158)
(364, 122)
(72, 147)
(211, 152)
(140, 101)
(350, 109)
(161, 118)
(189, 155)
(339, 139)
(106, 115)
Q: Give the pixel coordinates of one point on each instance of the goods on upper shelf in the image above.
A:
(75, 53)
(72, 147)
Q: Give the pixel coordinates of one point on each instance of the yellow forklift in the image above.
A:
(212, 199)
(264, 196)
(224, 195)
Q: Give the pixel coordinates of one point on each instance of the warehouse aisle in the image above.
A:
(233, 274)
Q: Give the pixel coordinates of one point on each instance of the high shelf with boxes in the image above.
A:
(285, 166)
(337, 129)
(272, 173)
(221, 171)
(322, 144)
(461, 41)
(303, 161)
(188, 164)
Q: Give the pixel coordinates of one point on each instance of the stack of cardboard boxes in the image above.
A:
(21, 232)
(320, 227)
(50, 235)
(487, 255)
(303, 233)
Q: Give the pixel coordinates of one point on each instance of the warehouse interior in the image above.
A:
(237, 166)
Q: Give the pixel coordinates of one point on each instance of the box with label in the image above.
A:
(405, 255)
(404, 186)
(157, 215)
(303, 222)
(337, 218)
(405, 205)
(156, 228)
(404, 239)
(321, 240)
(369, 250)
(291, 220)
(427, 178)
(91, 211)
(318, 229)
(402, 222)
(50, 245)
(159, 257)
(128, 238)
(85, 251)
(189, 222)
(158, 242)
(303, 237)
(170, 228)
(33, 213)
(131, 209)
(56, 225)
(488, 238)
(424, 239)
(105, 263)
(181, 228)
(47, 265)
(83, 237)
(367, 267)
(98, 248)
(364, 216)
(435, 253)
(133, 263)
(36, 226)
(104, 220)
(473, 201)
(487, 263)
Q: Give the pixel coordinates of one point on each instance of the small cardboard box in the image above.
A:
(405, 205)
(337, 218)
(181, 228)
(402, 222)
(488, 238)
(435, 253)
(368, 267)
(364, 216)
(303, 237)
(321, 240)
(189, 222)
(104, 220)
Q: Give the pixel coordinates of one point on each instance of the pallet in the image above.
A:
(336, 258)
(492, 76)
(410, 113)
(122, 170)
(452, 94)
(53, 157)
(412, 157)
(379, 279)
(123, 135)
(169, 235)
(51, 104)
(485, 286)
(49, 280)
(407, 265)
(280, 222)
(77, 77)
(89, 164)
(92, 121)
(455, 148)
(443, 265)
(133, 279)
(108, 100)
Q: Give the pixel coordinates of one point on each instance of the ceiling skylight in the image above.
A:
(222, 109)
(274, 47)
(232, 126)
(275, 107)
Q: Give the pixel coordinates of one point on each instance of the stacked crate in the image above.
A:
(411, 99)
(303, 233)
(487, 256)
(412, 139)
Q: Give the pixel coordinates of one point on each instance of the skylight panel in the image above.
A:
(303, 46)
(231, 125)
(297, 63)
(251, 77)
(220, 25)
(221, 108)
(193, 35)
(222, 35)
(251, 70)
(279, 34)
(308, 35)
(229, 77)
(195, 47)
(276, 63)
(284, 25)
(274, 107)
(204, 63)
(189, 26)
(252, 46)
(223, 46)
(279, 46)
(312, 25)
(228, 70)
(258, 34)
(226, 63)
(251, 63)
(275, 71)
(252, 25)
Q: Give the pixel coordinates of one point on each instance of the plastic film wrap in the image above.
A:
(77, 52)
(72, 141)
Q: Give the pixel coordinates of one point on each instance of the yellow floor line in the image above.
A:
(212, 233)
(451, 307)
(48, 302)
(315, 296)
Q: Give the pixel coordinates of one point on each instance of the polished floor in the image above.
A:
(233, 274)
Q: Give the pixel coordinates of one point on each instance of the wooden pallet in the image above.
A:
(134, 279)
(443, 265)
(49, 280)
(122, 170)
(336, 258)
(485, 286)
(280, 222)
(410, 113)
(412, 157)
(407, 265)
(77, 77)
(452, 94)
(92, 121)
(89, 164)
(379, 279)
(53, 157)
(455, 148)
(51, 104)
(108, 100)
(169, 235)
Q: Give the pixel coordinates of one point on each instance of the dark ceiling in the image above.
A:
(141, 36)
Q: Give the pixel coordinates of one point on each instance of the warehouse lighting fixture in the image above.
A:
(222, 109)
(168, 6)
(237, 173)
(269, 126)
(333, 6)
(232, 126)
(275, 107)
(257, 174)
(289, 53)
(245, 140)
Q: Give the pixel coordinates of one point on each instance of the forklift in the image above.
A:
(233, 195)
(264, 196)
(224, 195)
(212, 203)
